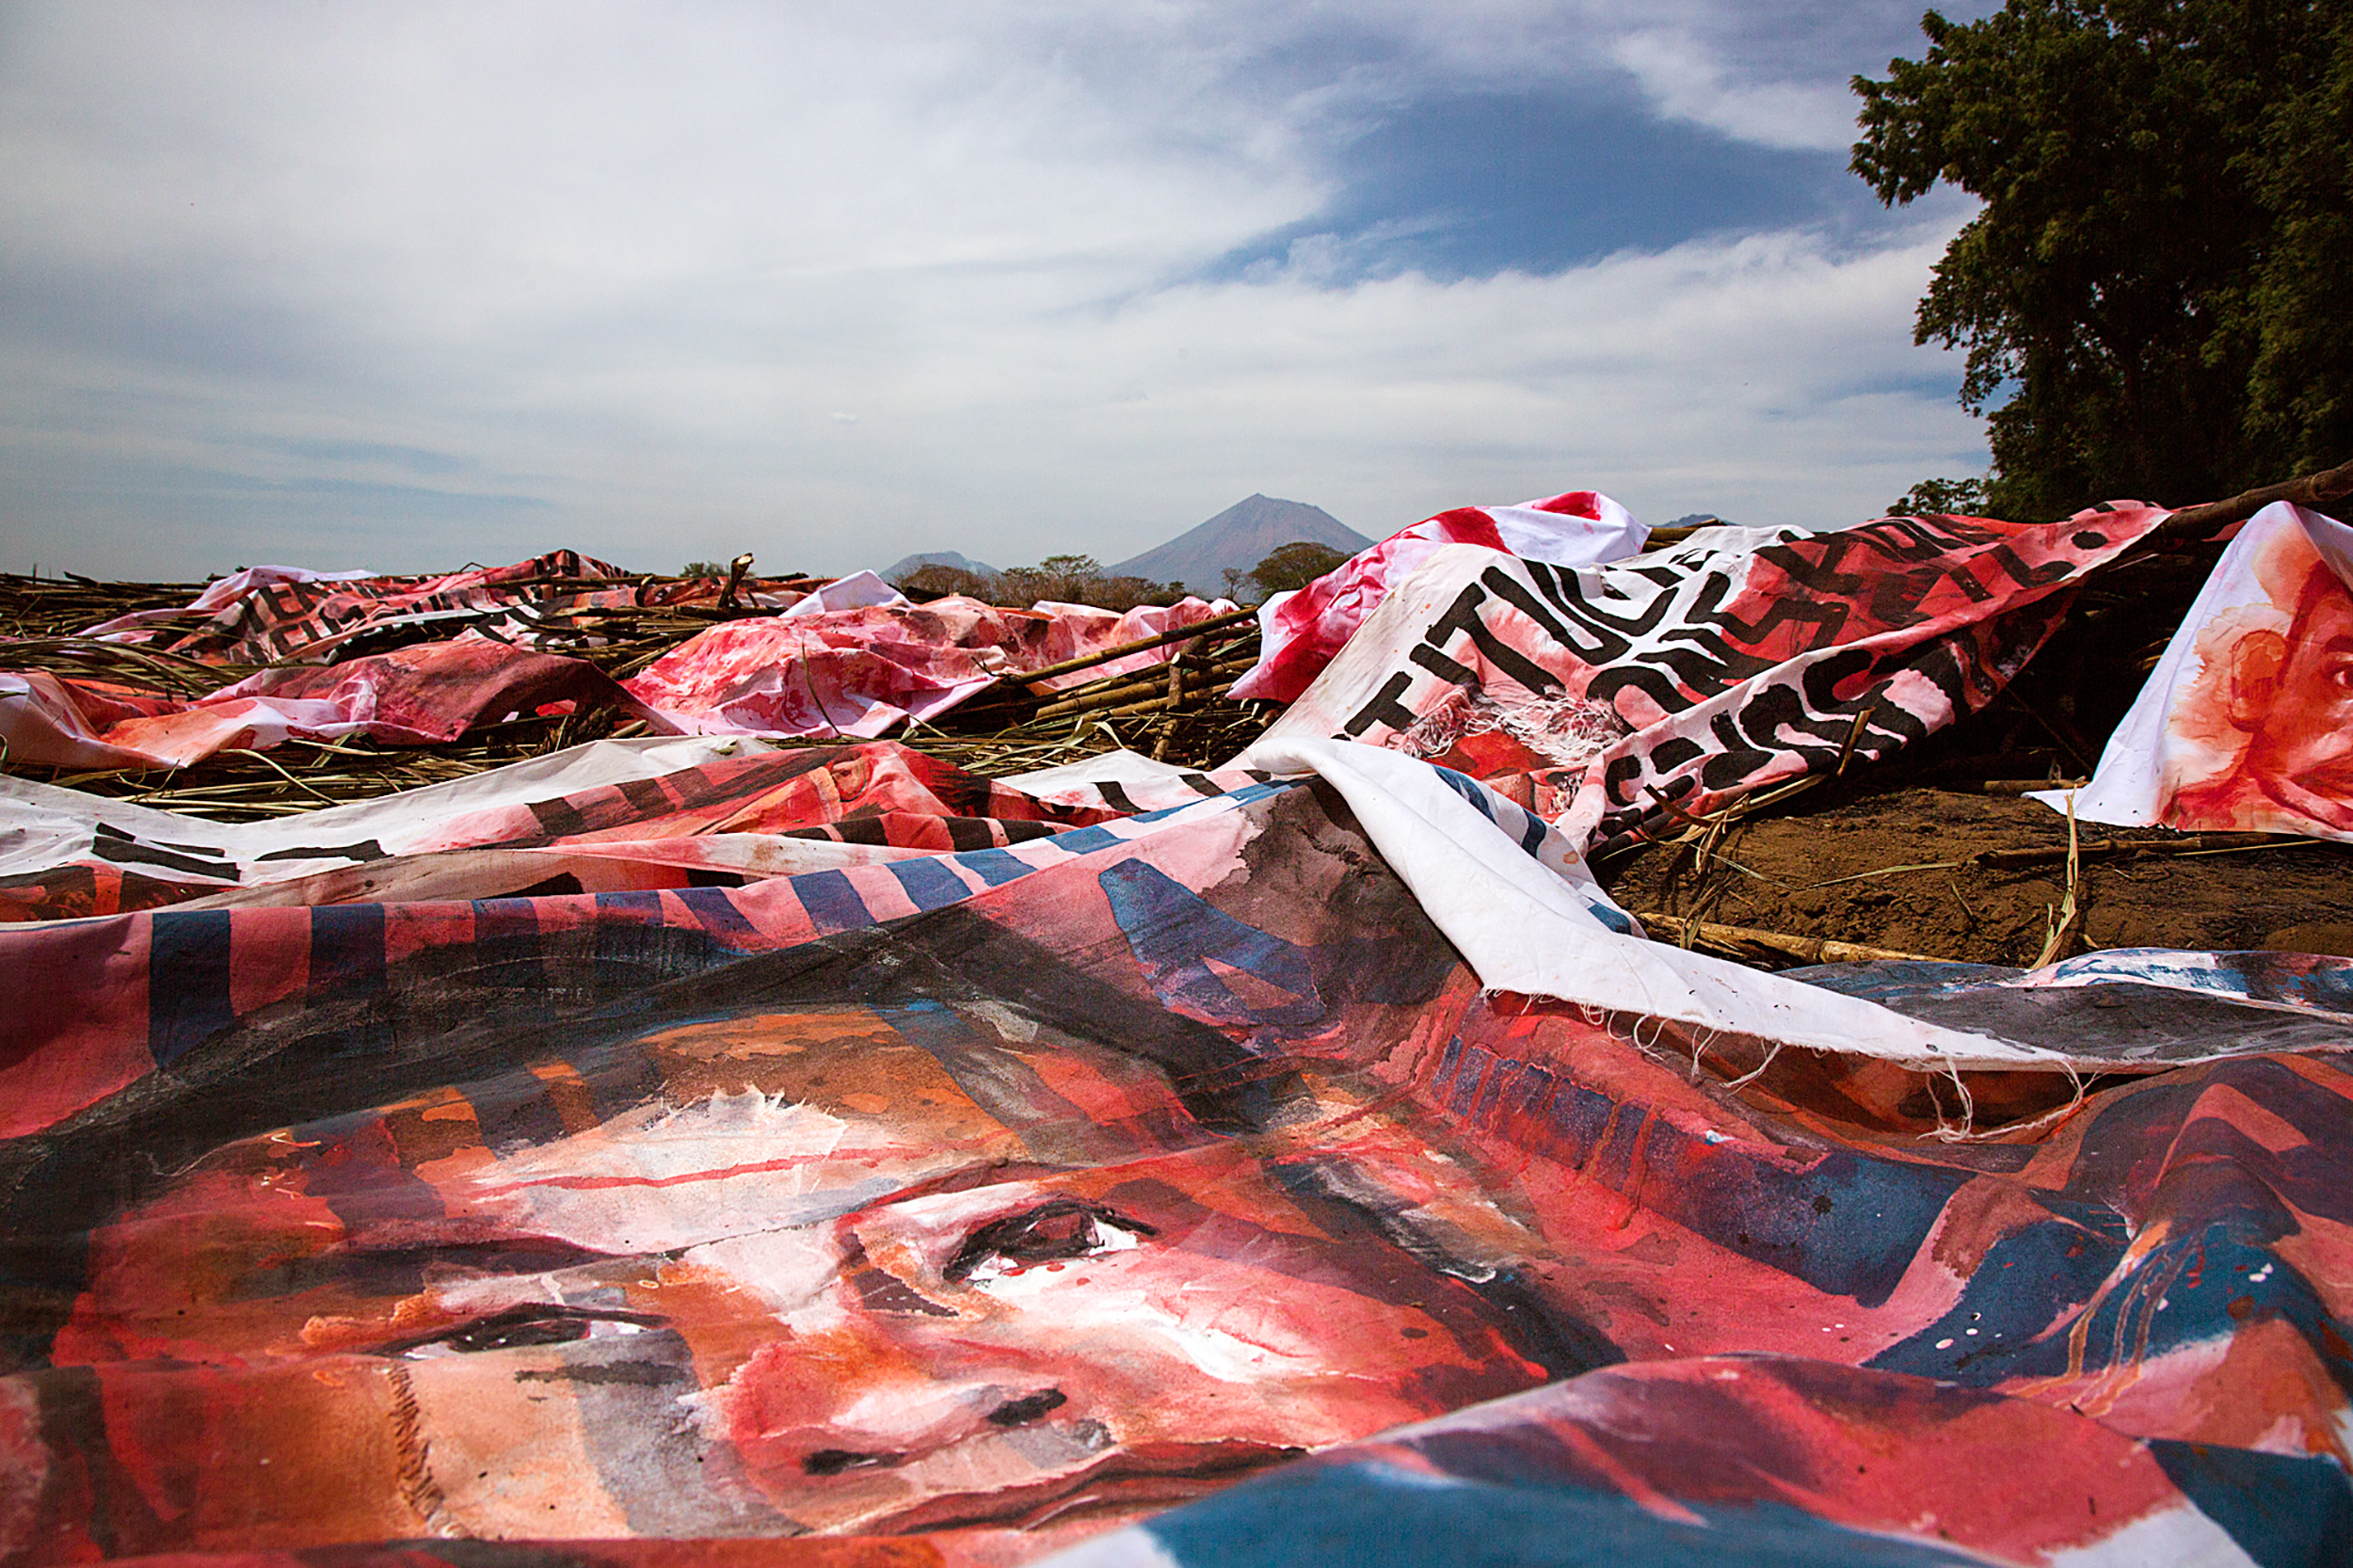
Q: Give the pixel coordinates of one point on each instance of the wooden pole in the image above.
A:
(2319, 491)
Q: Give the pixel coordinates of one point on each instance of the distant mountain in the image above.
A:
(1240, 537)
(906, 564)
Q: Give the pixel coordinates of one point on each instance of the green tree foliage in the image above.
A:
(1941, 497)
(2152, 295)
(1285, 568)
(1078, 580)
(703, 568)
(1066, 579)
(1293, 565)
(934, 579)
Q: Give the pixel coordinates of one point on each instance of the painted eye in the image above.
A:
(519, 1326)
(1052, 1231)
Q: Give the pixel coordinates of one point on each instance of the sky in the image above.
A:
(407, 285)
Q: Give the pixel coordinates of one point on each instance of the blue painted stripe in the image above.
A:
(832, 902)
(1467, 787)
(631, 900)
(347, 949)
(928, 883)
(187, 981)
(1532, 836)
(714, 910)
(997, 866)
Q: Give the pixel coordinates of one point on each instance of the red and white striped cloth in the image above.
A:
(1303, 631)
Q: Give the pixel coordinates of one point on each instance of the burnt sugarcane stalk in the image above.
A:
(2106, 849)
(1746, 939)
(1104, 656)
(1162, 704)
(1128, 691)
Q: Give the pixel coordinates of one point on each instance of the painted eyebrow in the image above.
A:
(507, 1255)
(403, 1267)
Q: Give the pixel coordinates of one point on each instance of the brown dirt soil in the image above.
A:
(1833, 871)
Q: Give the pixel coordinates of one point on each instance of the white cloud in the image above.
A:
(1687, 79)
(838, 286)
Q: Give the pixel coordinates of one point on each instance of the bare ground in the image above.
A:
(1897, 868)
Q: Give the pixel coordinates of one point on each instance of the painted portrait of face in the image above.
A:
(2294, 697)
(2276, 692)
(831, 1268)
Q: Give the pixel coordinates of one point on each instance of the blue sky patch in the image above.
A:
(1468, 186)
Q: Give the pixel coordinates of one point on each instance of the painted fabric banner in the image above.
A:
(1756, 1459)
(1303, 631)
(862, 670)
(849, 658)
(271, 615)
(962, 1206)
(1613, 699)
(478, 668)
(2247, 722)
(678, 811)
(416, 696)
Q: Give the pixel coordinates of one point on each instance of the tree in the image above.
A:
(1285, 568)
(2149, 296)
(1078, 580)
(1125, 593)
(1941, 497)
(1066, 579)
(936, 580)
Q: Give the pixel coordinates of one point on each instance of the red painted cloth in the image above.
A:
(1618, 700)
(2247, 721)
(1760, 1459)
(1303, 631)
(608, 817)
(817, 670)
(951, 1208)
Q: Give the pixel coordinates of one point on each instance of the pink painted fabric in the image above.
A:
(419, 696)
(861, 670)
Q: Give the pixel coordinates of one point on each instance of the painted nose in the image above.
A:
(850, 1398)
(1017, 1412)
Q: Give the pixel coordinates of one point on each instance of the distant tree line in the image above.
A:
(1062, 579)
(1082, 579)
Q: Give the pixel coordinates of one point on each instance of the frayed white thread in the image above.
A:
(1748, 1077)
(1965, 1133)
(1699, 1044)
(1570, 730)
(1965, 1130)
